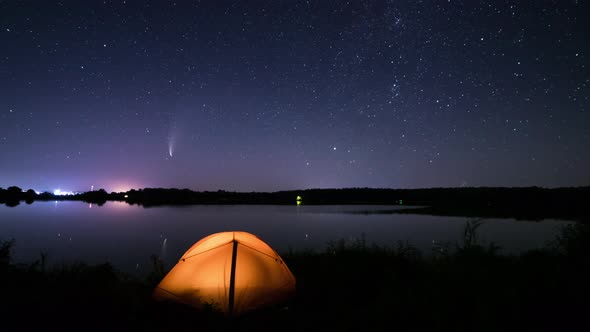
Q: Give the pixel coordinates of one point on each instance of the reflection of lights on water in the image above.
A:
(118, 205)
(299, 200)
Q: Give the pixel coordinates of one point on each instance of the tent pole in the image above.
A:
(232, 279)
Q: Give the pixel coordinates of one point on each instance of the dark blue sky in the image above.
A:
(271, 95)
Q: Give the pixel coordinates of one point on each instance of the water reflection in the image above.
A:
(127, 235)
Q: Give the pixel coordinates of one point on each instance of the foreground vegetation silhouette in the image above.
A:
(531, 203)
(352, 286)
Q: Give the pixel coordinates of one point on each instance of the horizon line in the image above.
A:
(300, 189)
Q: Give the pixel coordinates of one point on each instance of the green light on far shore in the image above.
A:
(299, 200)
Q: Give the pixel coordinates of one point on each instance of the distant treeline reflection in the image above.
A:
(533, 203)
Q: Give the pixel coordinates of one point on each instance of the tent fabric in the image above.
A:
(203, 275)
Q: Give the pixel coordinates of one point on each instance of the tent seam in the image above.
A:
(202, 252)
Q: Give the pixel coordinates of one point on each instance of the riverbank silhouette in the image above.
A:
(530, 203)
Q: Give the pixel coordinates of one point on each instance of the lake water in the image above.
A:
(127, 235)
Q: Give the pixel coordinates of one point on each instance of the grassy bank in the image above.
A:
(349, 287)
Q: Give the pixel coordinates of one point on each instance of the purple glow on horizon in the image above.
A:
(266, 96)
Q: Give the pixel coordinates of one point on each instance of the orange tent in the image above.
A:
(232, 271)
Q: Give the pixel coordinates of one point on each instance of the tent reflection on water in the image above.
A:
(234, 272)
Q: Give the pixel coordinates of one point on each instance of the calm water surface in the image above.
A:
(127, 235)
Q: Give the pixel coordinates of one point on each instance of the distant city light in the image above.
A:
(59, 192)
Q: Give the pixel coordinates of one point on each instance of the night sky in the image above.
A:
(273, 95)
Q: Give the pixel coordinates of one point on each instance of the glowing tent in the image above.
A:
(233, 271)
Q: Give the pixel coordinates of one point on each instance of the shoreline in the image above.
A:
(346, 285)
(523, 203)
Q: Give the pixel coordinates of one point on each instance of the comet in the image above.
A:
(171, 142)
(174, 135)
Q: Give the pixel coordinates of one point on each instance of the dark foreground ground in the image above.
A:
(350, 287)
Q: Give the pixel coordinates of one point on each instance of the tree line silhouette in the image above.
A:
(533, 203)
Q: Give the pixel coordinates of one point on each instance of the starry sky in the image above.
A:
(276, 95)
